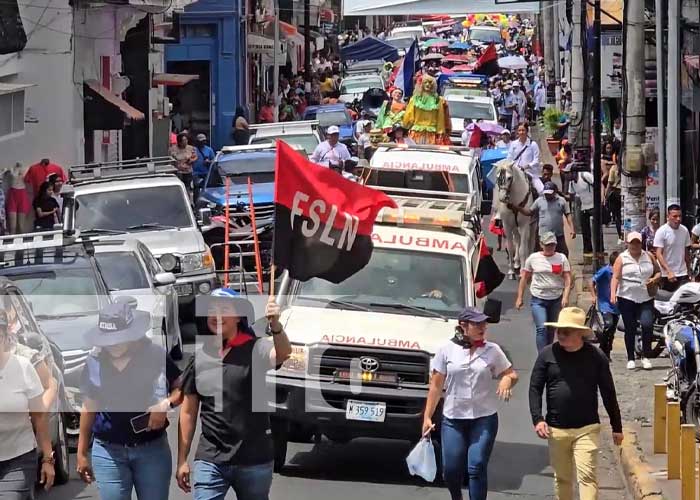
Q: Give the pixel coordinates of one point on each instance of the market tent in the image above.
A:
(423, 7)
(369, 48)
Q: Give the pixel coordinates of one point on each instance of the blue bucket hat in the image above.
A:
(472, 315)
(243, 307)
(117, 324)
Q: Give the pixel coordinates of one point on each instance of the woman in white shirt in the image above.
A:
(474, 374)
(549, 274)
(633, 272)
(23, 413)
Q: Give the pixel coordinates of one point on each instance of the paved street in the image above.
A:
(376, 469)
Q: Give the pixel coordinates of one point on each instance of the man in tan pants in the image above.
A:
(573, 372)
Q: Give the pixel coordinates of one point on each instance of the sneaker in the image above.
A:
(646, 364)
(620, 241)
(631, 365)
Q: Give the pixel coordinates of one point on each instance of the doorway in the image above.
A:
(191, 102)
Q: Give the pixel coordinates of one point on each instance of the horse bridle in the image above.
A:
(501, 182)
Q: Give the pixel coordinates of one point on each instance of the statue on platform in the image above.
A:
(427, 117)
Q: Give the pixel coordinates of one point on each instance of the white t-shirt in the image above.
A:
(674, 242)
(547, 274)
(583, 188)
(470, 385)
(19, 383)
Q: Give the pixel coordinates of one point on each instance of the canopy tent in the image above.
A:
(426, 7)
(369, 48)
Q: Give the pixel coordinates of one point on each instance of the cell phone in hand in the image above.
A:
(140, 423)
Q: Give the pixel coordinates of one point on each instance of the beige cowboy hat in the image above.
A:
(571, 317)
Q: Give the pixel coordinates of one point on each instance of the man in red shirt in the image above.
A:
(40, 172)
(267, 114)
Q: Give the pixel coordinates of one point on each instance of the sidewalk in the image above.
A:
(644, 472)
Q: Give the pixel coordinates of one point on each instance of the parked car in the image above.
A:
(33, 344)
(333, 114)
(130, 270)
(66, 291)
(143, 199)
(302, 133)
(354, 87)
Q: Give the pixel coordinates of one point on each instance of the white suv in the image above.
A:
(141, 199)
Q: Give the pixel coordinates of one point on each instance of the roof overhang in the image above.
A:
(172, 79)
(428, 7)
(10, 88)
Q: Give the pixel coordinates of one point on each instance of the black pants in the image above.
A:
(615, 206)
(586, 230)
(561, 245)
(17, 476)
(607, 336)
(672, 286)
(186, 179)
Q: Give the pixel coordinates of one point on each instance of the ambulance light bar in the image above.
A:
(421, 217)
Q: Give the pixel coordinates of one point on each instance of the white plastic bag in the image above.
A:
(421, 460)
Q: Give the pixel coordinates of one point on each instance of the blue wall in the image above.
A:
(225, 53)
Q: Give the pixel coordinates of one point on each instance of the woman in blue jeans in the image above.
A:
(128, 388)
(224, 385)
(549, 274)
(473, 373)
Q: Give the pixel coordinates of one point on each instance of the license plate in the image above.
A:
(365, 411)
(185, 289)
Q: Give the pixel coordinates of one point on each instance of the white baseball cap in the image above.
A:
(333, 129)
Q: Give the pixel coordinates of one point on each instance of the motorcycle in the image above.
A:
(683, 344)
(668, 306)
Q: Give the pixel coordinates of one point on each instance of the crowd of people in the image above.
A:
(30, 197)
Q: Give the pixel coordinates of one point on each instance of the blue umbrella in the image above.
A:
(461, 45)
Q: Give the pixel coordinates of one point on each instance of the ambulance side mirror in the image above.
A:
(492, 309)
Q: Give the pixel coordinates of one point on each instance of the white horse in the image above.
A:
(513, 187)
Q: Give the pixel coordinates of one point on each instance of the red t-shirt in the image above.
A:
(39, 173)
(266, 114)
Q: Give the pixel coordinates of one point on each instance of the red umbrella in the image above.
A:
(447, 71)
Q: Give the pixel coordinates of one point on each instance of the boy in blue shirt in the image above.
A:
(600, 291)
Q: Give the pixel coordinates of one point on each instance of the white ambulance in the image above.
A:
(362, 348)
(432, 172)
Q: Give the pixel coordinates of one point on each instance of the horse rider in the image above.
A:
(525, 153)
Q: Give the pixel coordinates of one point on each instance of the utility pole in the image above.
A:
(275, 64)
(547, 8)
(634, 174)
(307, 40)
(557, 55)
(660, 96)
(673, 149)
(597, 233)
(578, 118)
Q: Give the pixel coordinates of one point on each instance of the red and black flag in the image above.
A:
(488, 275)
(323, 222)
(488, 62)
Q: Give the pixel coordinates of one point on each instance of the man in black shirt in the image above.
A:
(573, 371)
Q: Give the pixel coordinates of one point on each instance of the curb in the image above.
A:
(637, 473)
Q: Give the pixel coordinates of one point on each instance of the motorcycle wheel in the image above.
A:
(691, 411)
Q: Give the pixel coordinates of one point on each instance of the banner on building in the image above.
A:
(611, 64)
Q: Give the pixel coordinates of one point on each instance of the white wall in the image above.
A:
(47, 62)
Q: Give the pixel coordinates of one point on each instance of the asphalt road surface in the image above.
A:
(369, 469)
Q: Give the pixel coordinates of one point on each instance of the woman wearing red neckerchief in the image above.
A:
(222, 386)
(474, 374)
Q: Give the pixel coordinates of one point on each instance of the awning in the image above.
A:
(367, 49)
(10, 88)
(173, 79)
(426, 7)
(100, 105)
